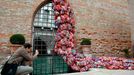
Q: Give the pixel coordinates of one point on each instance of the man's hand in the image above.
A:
(36, 52)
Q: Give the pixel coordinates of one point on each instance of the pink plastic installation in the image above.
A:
(64, 19)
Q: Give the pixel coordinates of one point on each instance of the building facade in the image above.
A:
(106, 22)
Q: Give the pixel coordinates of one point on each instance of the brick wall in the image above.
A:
(131, 11)
(16, 17)
(104, 21)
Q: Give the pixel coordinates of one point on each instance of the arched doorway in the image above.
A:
(44, 30)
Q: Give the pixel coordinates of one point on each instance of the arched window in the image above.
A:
(44, 29)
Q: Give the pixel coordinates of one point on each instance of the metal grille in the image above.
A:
(44, 30)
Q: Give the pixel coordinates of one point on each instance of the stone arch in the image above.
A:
(38, 6)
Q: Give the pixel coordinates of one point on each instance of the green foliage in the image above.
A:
(17, 39)
(127, 53)
(86, 41)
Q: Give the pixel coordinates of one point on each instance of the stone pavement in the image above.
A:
(95, 71)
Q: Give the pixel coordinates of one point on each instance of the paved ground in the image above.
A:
(103, 72)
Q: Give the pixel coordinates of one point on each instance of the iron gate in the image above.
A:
(44, 30)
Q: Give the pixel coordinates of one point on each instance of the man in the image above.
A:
(21, 56)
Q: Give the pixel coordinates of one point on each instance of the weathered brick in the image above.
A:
(106, 22)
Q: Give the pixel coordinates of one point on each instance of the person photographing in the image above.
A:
(21, 58)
